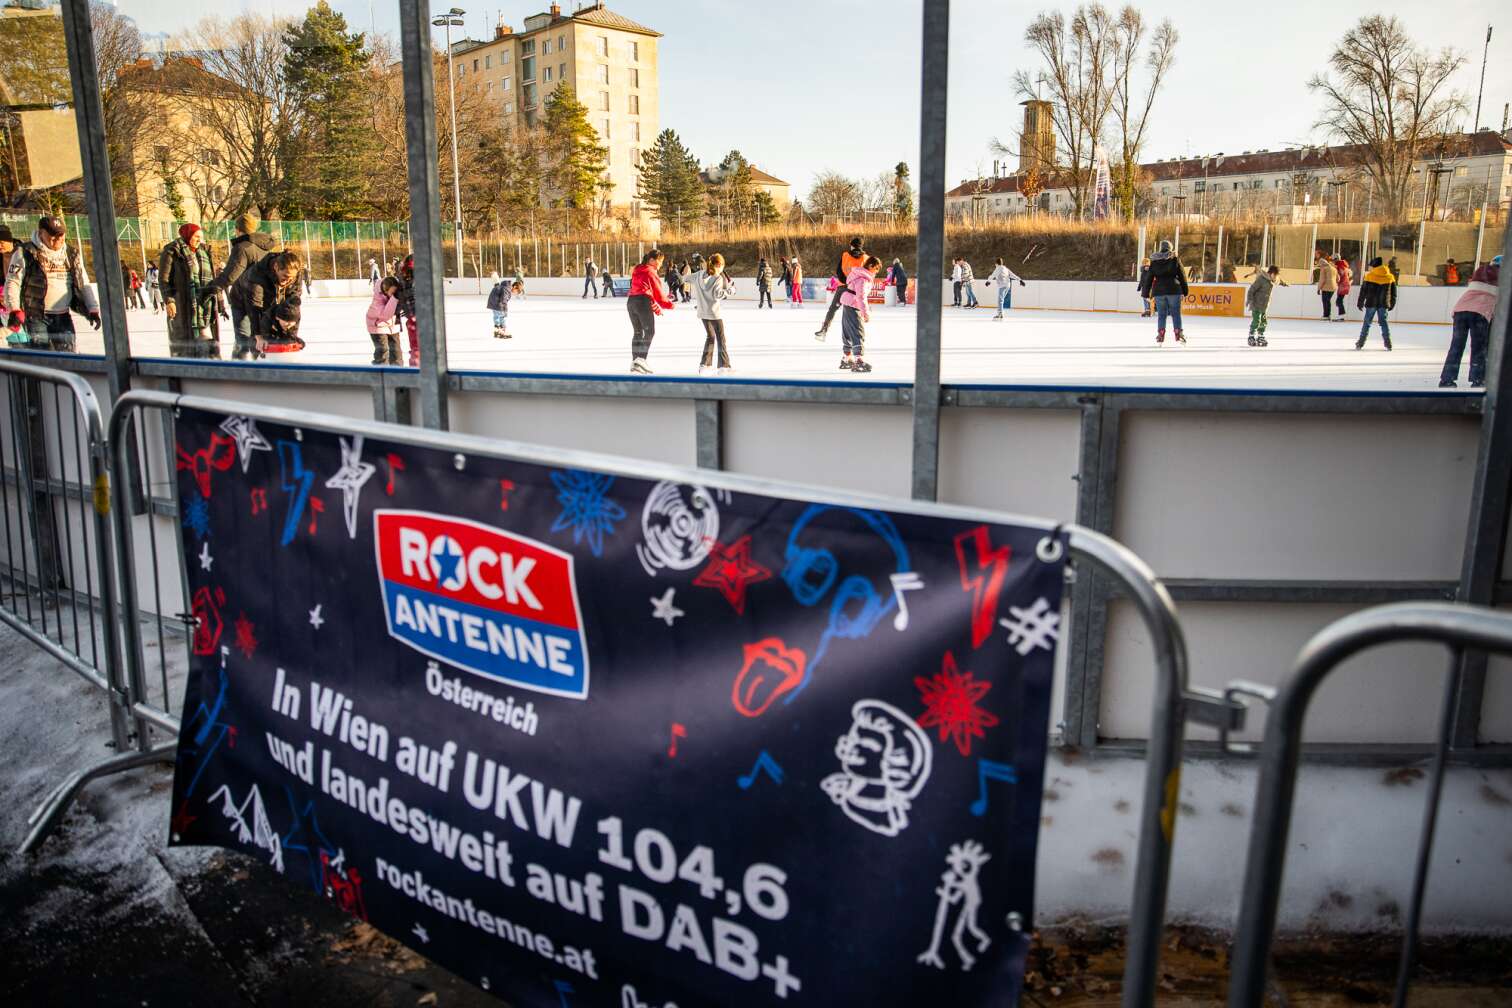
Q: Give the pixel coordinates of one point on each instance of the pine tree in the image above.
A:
(575, 162)
(330, 148)
(736, 190)
(765, 210)
(903, 202)
(667, 180)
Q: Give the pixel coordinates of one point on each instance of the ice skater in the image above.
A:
(857, 314)
(1003, 278)
(498, 303)
(590, 280)
(850, 258)
(1165, 284)
(1144, 271)
(795, 284)
(967, 279)
(955, 281)
(1341, 269)
(1377, 297)
(899, 279)
(1328, 281)
(763, 283)
(709, 288)
(1257, 300)
(1472, 321)
(646, 301)
(608, 278)
(382, 326)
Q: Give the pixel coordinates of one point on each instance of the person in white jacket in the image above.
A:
(710, 287)
(1003, 278)
(955, 281)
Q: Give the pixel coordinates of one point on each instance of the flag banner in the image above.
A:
(591, 739)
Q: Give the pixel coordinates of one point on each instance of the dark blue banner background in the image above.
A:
(594, 740)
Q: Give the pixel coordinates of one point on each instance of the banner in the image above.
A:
(588, 739)
(1214, 299)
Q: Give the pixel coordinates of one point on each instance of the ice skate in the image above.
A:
(638, 366)
(1252, 340)
(846, 364)
(1180, 338)
(1447, 383)
(1261, 341)
(705, 370)
(820, 334)
(1160, 339)
(860, 366)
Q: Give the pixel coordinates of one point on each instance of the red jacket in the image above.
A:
(643, 280)
(1345, 276)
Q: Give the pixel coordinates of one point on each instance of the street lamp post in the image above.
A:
(452, 18)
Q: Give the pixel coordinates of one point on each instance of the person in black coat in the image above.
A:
(1378, 292)
(900, 282)
(262, 290)
(1165, 283)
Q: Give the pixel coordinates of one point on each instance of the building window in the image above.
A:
(603, 48)
(603, 74)
(487, 62)
(488, 89)
(634, 77)
(160, 153)
(547, 75)
(561, 71)
(561, 43)
(475, 66)
(604, 130)
(211, 158)
(509, 108)
(635, 131)
(504, 84)
(530, 96)
(545, 47)
(527, 68)
(635, 104)
(527, 48)
(1200, 186)
(635, 156)
(604, 101)
(634, 52)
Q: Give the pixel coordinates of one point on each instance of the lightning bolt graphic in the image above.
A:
(296, 479)
(982, 572)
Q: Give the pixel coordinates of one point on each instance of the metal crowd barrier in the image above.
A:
(1460, 627)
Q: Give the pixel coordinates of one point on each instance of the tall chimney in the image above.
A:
(556, 10)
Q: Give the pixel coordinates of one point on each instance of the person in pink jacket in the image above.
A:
(381, 323)
(1472, 320)
(856, 314)
(1345, 276)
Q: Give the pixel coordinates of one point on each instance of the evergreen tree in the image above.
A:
(903, 202)
(736, 190)
(667, 180)
(575, 162)
(765, 210)
(331, 145)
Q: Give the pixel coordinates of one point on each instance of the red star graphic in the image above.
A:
(950, 704)
(730, 570)
(182, 819)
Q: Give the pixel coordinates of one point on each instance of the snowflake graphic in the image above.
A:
(246, 636)
(585, 508)
(197, 517)
(950, 704)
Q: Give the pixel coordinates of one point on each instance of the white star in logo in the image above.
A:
(205, 558)
(420, 933)
(349, 480)
(663, 609)
(248, 438)
(315, 618)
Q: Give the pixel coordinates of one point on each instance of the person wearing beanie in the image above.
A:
(43, 284)
(1378, 293)
(1328, 280)
(899, 277)
(1472, 321)
(1165, 284)
(849, 259)
(186, 277)
(247, 249)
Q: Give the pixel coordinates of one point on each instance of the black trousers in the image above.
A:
(714, 337)
(957, 288)
(764, 297)
(834, 306)
(1328, 297)
(643, 325)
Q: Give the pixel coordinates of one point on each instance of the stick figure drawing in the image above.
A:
(959, 886)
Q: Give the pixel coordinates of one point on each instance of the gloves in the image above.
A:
(1022, 284)
(16, 321)
(225, 314)
(94, 320)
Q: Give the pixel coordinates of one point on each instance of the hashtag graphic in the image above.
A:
(1034, 627)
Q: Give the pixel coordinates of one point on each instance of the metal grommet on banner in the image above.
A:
(460, 461)
(1049, 549)
(1015, 921)
(298, 434)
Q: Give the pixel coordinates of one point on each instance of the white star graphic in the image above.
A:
(248, 438)
(316, 620)
(420, 933)
(663, 609)
(205, 558)
(349, 480)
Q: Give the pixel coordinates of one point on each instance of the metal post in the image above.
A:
(448, 20)
(334, 273)
(1486, 537)
(1313, 248)
(1417, 267)
(425, 207)
(935, 46)
(535, 247)
(1264, 245)
(1480, 236)
(383, 247)
(90, 117)
(1218, 256)
(358, 226)
(309, 260)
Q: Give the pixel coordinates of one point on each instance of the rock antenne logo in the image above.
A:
(499, 605)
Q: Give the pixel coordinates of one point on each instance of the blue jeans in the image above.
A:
(241, 326)
(51, 332)
(1167, 305)
(1379, 312)
(1471, 325)
(971, 299)
(1005, 298)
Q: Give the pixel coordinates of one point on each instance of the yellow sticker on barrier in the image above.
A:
(1168, 805)
(102, 494)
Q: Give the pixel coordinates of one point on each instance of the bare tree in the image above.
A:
(1390, 100)
(1133, 99)
(1078, 59)
(118, 45)
(835, 195)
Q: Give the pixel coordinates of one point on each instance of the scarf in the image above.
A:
(1380, 275)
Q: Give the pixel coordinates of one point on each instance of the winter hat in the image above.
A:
(1165, 246)
(5, 235)
(856, 244)
(53, 226)
(186, 231)
(1375, 262)
(249, 222)
(287, 315)
(1495, 260)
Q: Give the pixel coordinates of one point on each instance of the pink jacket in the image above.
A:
(380, 314)
(1480, 296)
(857, 286)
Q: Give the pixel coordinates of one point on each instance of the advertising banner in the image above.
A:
(1214, 299)
(591, 739)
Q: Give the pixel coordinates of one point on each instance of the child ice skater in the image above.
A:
(709, 288)
(856, 314)
(382, 325)
(1257, 300)
(498, 303)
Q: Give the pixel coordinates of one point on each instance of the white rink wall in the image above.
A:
(1414, 304)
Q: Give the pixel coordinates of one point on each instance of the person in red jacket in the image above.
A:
(1345, 277)
(646, 301)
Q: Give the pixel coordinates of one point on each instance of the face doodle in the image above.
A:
(885, 759)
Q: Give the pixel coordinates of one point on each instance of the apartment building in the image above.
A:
(609, 61)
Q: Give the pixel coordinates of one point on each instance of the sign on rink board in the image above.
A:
(588, 739)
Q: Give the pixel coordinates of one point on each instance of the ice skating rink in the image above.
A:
(566, 335)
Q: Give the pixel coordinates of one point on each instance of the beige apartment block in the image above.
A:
(609, 61)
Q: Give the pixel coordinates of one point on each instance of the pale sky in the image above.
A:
(800, 87)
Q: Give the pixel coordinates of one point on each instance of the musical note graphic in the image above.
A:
(988, 770)
(317, 506)
(678, 731)
(904, 581)
(259, 500)
(504, 487)
(394, 464)
(763, 762)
